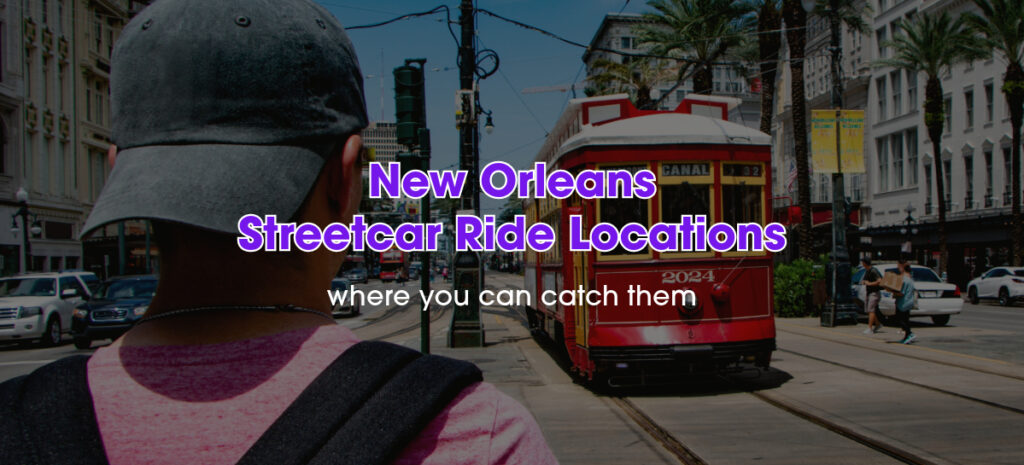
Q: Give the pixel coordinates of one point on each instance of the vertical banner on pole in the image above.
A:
(823, 141)
(852, 140)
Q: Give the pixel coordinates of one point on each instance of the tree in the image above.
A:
(933, 44)
(1001, 23)
(636, 77)
(796, 36)
(699, 32)
(513, 206)
(769, 41)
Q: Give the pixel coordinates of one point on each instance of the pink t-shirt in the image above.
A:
(210, 403)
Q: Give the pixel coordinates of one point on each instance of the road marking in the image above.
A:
(26, 362)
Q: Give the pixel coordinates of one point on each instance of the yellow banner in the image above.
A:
(823, 141)
(852, 140)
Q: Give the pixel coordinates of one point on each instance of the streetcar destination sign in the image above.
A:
(686, 169)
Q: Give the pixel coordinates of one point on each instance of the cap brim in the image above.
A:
(209, 186)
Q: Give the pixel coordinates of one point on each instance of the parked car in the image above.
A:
(113, 310)
(1004, 283)
(38, 306)
(935, 298)
(343, 308)
(357, 275)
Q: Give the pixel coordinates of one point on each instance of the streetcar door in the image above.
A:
(579, 278)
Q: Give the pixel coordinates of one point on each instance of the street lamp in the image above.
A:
(35, 229)
(909, 230)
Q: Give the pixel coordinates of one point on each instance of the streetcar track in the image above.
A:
(413, 327)
(910, 356)
(911, 383)
(877, 445)
(684, 454)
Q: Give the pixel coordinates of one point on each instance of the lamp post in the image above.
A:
(35, 229)
(909, 230)
(842, 306)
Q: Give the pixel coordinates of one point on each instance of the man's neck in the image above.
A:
(211, 282)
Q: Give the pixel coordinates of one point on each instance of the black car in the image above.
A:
(113, 309)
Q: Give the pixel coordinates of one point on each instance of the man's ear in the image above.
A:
(345, 178)
(111, 155)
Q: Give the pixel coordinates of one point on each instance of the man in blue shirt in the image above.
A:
(906, 299)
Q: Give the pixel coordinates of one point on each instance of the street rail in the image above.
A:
(684, 454)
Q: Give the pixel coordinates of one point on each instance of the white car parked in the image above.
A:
(1004, 283)
(38, 307)
(935, 298)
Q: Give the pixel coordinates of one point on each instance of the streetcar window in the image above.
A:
(620, 212)
(742, 203)
(684, 199)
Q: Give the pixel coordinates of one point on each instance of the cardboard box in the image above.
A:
(892, 281)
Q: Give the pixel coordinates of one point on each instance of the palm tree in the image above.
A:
(769, 41)
(636, 77)
(1002, 24)
(933, 44)
(796, 36)
(700, 32)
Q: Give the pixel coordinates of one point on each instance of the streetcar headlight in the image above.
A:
(27, 312)
(691, 304)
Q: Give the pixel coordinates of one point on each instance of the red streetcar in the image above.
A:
(393, 265)
(705, 165)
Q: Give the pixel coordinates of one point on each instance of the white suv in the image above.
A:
(38, 306)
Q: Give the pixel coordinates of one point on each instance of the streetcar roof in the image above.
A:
(666, 129)
(612, 120)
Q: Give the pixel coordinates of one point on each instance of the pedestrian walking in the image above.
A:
(222, 109)
(873, 293)
(906, 299)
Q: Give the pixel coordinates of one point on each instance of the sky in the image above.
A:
(528, 59)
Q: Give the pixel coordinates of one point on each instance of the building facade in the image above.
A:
(54, 124)
(618, 32)
(382, 138)
(975, 156)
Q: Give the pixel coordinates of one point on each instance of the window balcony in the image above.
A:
(928, 208)
(989, 201)
(1007, 198)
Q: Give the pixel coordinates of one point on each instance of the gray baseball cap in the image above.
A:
(224, 108)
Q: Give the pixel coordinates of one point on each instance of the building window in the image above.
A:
(880, 39)
(46, 82)
(896, 141)
(60, 17)
(1007, 176)
(897, 92)
(61, 170)
(969, 108)
(97, 33)
(911, 91)
(989, 97)
(969, 182)
(947, 175)
(43, 167)
(927, 190)
(883, 164)
(880, 88)
(988, 178)
(912, 156)
(947, 111)
(46, 12)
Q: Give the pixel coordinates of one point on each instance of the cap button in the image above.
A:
(147, 24)
(242, 21)
(320, 22)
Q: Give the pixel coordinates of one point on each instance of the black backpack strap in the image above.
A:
(370, 380)
(399, 411)
(48, 417)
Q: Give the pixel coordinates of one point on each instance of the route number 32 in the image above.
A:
(691, 276)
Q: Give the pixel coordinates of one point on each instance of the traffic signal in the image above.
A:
(410, 107)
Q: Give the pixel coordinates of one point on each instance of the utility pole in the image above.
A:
(842, 301)
(468, 131)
